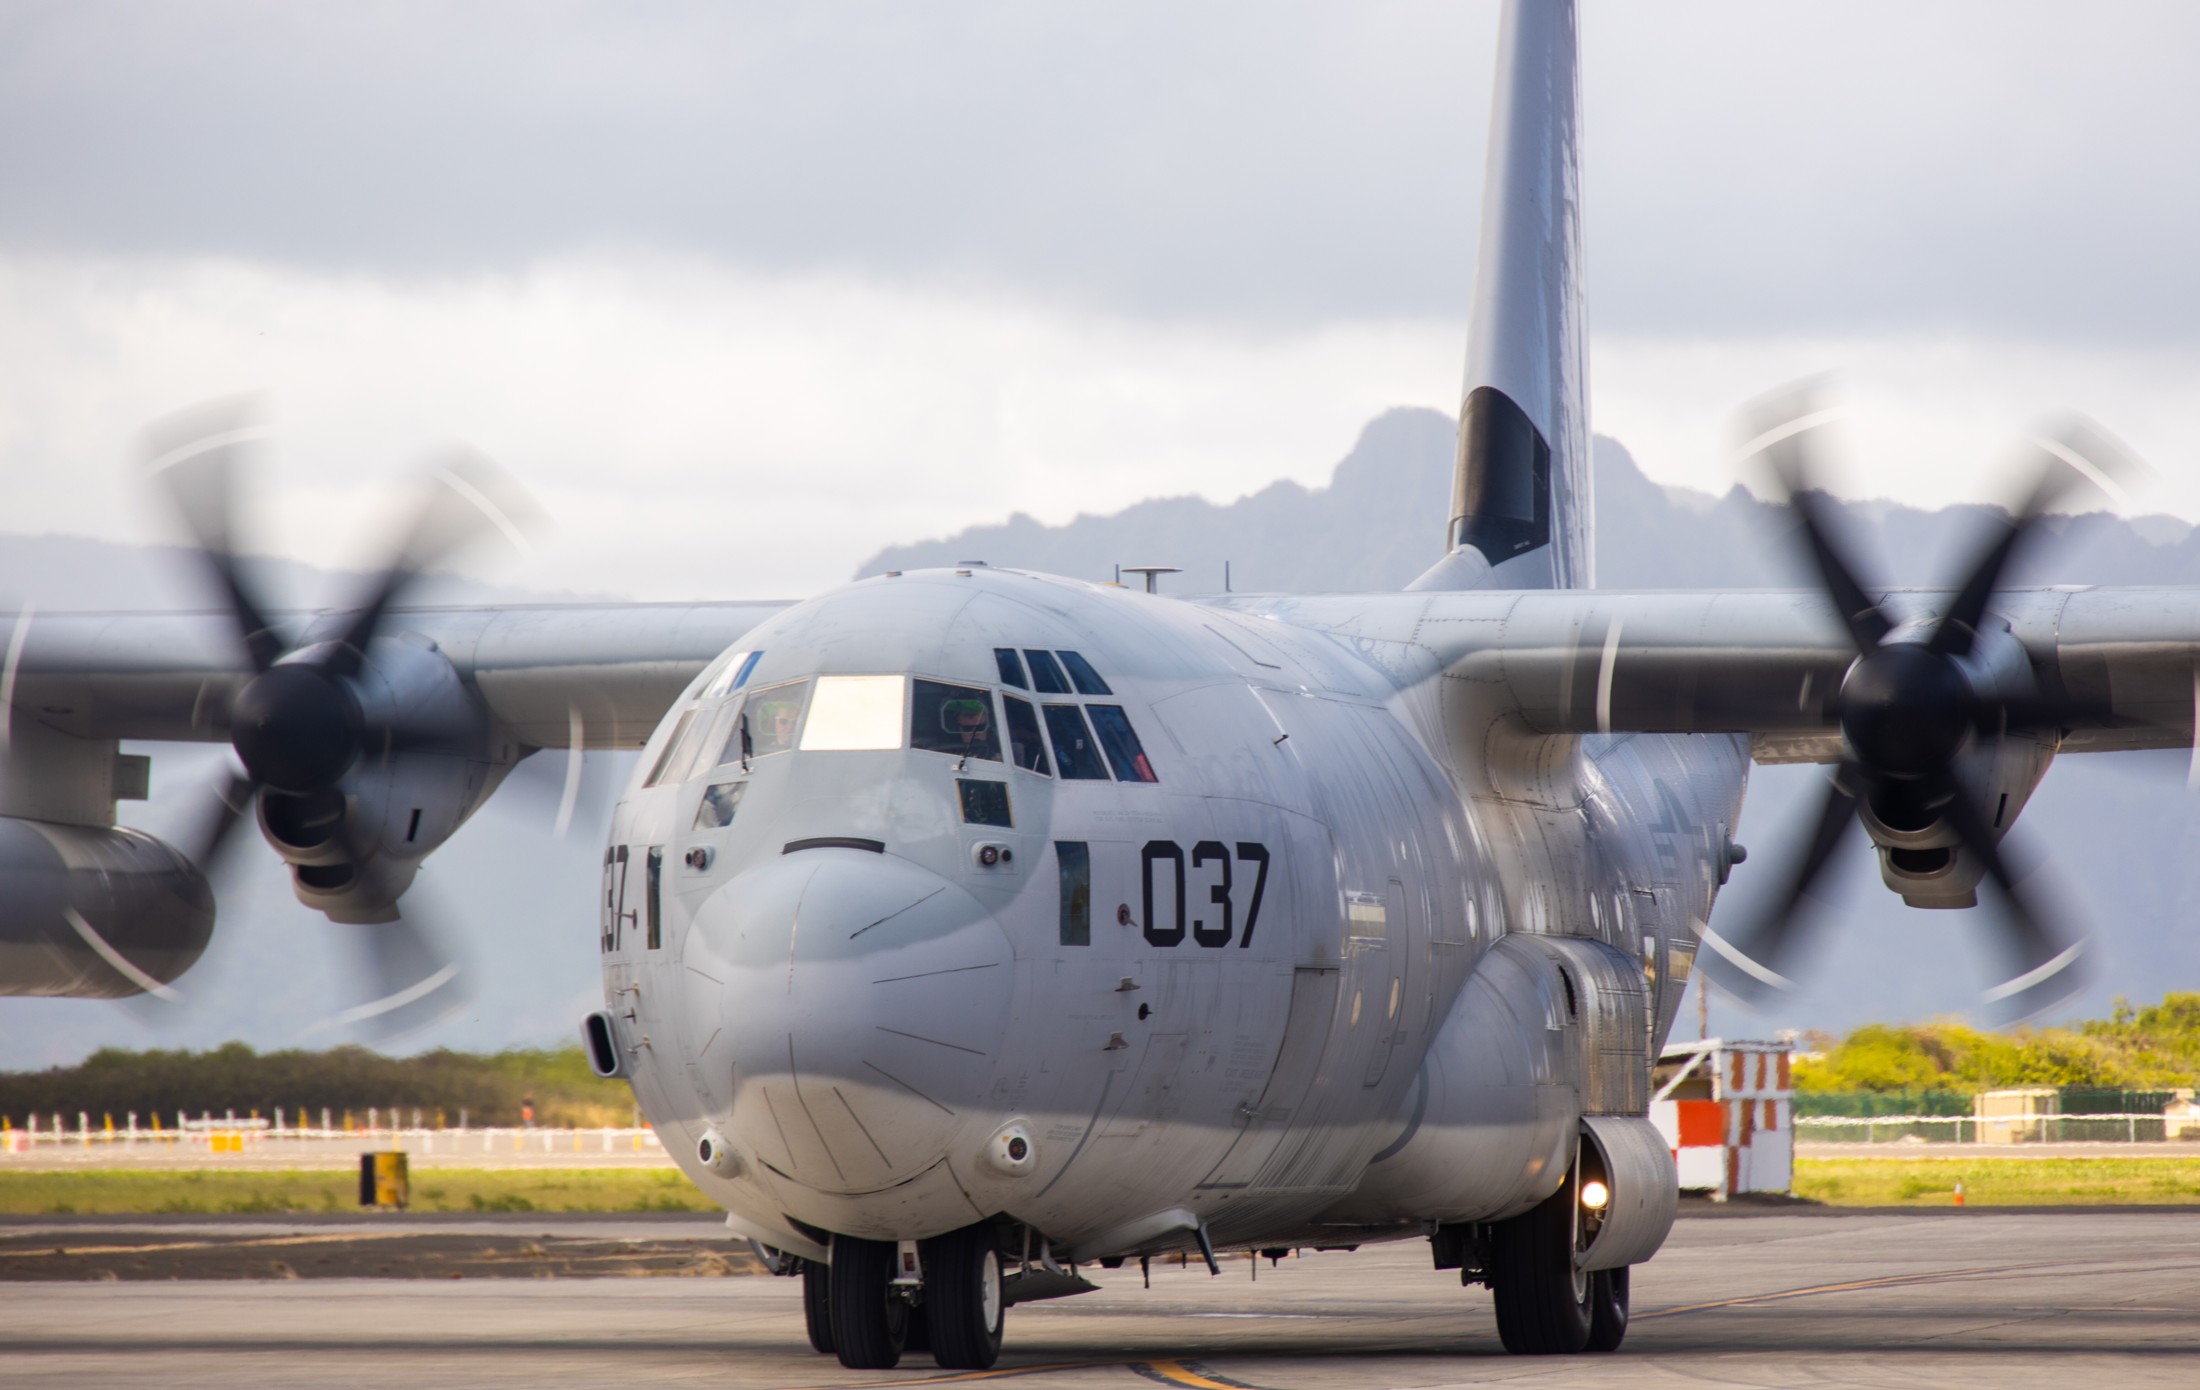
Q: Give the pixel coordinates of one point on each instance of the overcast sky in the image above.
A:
(745, 293)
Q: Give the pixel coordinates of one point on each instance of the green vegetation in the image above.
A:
(489, 1087)
(131, 1192)
(1998, 1182)
(2151, 1049)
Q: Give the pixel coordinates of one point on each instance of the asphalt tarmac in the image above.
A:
(1966, 1298)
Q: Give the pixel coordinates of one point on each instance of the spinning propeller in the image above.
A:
(1918, 699)
(311, 710)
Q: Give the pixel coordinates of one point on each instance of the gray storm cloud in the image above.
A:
(1751, 168)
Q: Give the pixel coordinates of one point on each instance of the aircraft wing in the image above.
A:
(599, 674)
(1765, 663)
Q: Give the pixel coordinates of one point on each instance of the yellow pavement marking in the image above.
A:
(1177, 1373)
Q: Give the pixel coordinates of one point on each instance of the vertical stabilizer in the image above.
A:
(1521, 503)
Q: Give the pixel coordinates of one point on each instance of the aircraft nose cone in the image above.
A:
(861, 1004)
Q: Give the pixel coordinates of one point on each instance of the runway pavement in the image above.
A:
(1955, 1298)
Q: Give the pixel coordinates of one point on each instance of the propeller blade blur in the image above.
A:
(463, 497)
(1781, 427)
(1747, 962)
(196, 455)
(2043, 961)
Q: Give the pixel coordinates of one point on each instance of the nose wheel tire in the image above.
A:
(817, 1311)
(1607, 1309)
(870, 1322)
(1544, 1303)
(963, 1303)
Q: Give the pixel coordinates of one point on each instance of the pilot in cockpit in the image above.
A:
(972, 722)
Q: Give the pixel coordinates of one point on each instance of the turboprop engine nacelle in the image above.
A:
(91, 912)
(1921, 856)
(355, 845)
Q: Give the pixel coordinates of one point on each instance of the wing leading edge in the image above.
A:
(1768, 664)
(171, 676)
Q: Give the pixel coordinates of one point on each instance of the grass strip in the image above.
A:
(126, 1192)
(1998, 1182)
(1853, 1182)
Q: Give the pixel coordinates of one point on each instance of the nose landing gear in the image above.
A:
(817, 1309)
(964, 1301)
(869, 1317)
(855, 1307)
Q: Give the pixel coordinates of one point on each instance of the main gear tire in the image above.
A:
(1543, 1299)
(964, 1301)
(1607, 1309)
(870, 1319)
(817, 1309)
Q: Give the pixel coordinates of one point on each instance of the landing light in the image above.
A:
(1594, 1195)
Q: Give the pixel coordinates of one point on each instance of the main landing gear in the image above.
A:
(1546, 1304)
(868, 1309)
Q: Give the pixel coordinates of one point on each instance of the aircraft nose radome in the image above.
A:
(863, 1004)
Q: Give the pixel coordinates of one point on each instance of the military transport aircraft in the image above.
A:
(971, 931)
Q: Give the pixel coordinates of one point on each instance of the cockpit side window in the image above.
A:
(771, 718)
(675, 745)
(701, 742)
(1082, 675)
(1046, 674)
(953, 719)
(1073, 747)
(1125, 754)
(1011, 667)
(1025, 748)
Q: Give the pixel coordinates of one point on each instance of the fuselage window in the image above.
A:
(854, 713)
(1073, 749)
(1011, 667)
(718, 805)
(673, 745)
(1025, 748)
(953, 719)
(1046, 674)
(983, 803)
(1082, 675)
(770, 719)
(1074, 862)
(656, 902)
(1125, 754)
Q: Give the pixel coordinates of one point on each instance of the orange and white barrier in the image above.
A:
(1727, 1110)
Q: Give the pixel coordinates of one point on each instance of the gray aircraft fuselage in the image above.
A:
(1227, 991)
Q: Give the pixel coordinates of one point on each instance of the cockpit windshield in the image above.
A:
(953, 719)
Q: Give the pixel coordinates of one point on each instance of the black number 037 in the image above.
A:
(1212, 928)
